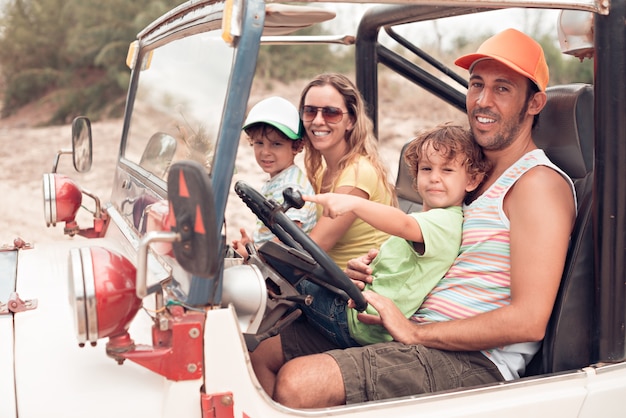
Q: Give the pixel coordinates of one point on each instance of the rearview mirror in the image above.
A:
(82, 151)
(158, 154)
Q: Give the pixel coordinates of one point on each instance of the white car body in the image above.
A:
(44, 371)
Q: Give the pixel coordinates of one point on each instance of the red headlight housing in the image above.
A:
(102, 293)
(62, 198)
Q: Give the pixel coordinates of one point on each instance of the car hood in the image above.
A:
(53, 376)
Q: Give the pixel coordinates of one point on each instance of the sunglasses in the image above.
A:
(329, 113)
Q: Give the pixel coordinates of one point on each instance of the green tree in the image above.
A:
(29, 56)
(76, 48)
(563, 68)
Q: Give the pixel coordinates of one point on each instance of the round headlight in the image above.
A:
(102, 293)
(61, 198)
(244, 287)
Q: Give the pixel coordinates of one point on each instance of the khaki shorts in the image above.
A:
(388, 370)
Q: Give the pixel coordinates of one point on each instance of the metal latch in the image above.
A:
(217, 405)
(15, 305)
(18, 244)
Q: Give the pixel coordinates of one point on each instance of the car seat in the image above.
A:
(408, 199)
(566, 133)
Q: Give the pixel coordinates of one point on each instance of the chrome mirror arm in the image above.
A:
(142, 257)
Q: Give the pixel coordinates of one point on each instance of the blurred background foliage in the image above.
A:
(73, 53)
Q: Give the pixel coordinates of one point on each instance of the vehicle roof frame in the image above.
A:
(596, 6)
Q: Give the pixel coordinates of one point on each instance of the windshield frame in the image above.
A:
(132, 181)
(150, 39)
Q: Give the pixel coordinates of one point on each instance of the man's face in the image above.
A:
(496, 104)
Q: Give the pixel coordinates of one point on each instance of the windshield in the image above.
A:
(178, 106)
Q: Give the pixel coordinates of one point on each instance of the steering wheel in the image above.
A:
(273, 216)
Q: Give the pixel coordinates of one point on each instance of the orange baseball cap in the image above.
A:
(517, 51)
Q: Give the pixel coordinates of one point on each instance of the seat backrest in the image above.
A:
(565, 130)
(566, 133)
(408, 198)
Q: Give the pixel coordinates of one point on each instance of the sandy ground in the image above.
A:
(27, 153)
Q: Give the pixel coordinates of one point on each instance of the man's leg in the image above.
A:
(313, 381)
(266, 361)
(376, 372)
(296, 340)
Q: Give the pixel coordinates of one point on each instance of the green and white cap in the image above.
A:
(279, 113)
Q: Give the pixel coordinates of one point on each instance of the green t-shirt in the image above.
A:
(405, 276)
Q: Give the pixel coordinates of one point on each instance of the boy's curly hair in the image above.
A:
(452, 141)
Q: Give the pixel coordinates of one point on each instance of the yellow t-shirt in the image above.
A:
(360, 237)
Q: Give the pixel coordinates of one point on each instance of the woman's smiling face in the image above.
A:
(327, 138)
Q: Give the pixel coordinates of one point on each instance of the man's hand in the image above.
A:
(359, 271)
(389, 316)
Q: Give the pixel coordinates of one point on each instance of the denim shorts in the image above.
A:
(327, 314)
(388, 370)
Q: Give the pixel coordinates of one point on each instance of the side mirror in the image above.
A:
(82, 151)
(158, 155)
(192, 216)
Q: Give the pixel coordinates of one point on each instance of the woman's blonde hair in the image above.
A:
(361, 139)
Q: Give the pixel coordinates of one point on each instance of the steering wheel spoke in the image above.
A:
(324, 271)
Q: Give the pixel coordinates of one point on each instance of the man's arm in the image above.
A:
(385, 218)
(541, 210)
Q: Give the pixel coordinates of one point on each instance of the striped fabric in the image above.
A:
(479, 279)
(291, 176)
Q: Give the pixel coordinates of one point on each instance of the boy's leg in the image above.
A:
(327, 314)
